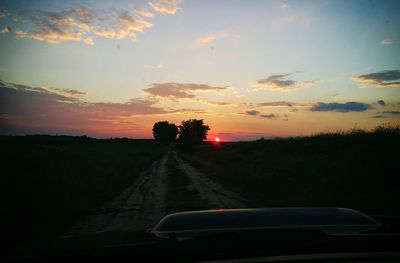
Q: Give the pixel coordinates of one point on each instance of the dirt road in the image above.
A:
(141, 205)
(215, 194)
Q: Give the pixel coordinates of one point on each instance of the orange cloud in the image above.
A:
(26, 109)
(143, 12)
(6, 29)
(281, 83)
(170, 7)
(206, 39)
(78, 24)
(88, 41)
(180, 90)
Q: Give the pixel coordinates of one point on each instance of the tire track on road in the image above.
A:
(215, 194)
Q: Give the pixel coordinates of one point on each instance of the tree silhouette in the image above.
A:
(165, 132)
(192, 132)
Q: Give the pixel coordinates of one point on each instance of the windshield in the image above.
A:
(115, 114)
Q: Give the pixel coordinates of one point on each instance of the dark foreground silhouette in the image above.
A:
(52, 182)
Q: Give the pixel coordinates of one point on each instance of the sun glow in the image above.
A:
(217, 139)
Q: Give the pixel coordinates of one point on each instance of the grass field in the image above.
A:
(48, 183)
(355, 169)
(51, 182)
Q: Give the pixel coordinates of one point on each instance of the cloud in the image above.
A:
(252, 112)
(128, 24)
(180, 90)
(384, 114)
(283, 6)
(88, 41)
(209, 38)
(268, 116)
(341, 107)
(170, 7)
(68, 93)
(6, 29)
(55, 27)
(281, 83)
(392, 112)
(387, 42)
(143, 12)
(272, 104)
(81, 24)
(381, 79)
(257, 113)
(25, 109)
(216, 103)
(21, 33)
(212, 37)
(206, 39)
(381, 102)
(281, 104)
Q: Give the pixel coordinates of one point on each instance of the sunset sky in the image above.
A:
(248, 68)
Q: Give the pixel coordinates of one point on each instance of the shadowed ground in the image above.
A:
(144, 203)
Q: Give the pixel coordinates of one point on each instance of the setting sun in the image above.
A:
(217, 139)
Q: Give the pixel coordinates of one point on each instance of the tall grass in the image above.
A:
(356, 169)
(49, 183)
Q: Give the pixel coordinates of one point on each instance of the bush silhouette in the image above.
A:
(165, 132)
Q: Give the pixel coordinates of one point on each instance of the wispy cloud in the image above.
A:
(143, 12)
(341, 107)
(216, 103)
(290, 105)
(283, 6)
(209, 38)
(385, 114)
(392, 112)
(21, 33)
(268, 116)
(82, 23)
(180, 90)
(382, 79)
(281, 83)
(54, 27)
(170, 7)
(206, 39)
(68, 94)
(6, 29)
(281, 104)
(212, 37)
(252, 112)
(88, 41)
(387, 41)
(259, 114)
(123, 24)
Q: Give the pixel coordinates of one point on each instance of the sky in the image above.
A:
(250, 69)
